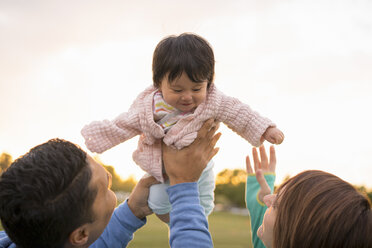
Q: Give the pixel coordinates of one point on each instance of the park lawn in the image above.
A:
(228, 231)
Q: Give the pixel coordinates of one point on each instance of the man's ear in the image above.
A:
(79, 236)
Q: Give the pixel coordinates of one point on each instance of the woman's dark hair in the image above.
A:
(187, 53)
(45, 195)
(318, 209)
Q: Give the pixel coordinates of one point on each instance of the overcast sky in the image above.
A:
(304, 64)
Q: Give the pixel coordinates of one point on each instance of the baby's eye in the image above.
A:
(196, 90)
(178, 91)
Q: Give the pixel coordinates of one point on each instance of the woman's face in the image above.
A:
(266, 231)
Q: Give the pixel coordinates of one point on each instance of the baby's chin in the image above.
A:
(187, 108)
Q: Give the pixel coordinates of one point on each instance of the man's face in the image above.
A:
(105, 202)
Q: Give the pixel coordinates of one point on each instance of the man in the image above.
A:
(58, 196)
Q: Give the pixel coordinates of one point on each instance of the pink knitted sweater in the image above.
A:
(103, 135)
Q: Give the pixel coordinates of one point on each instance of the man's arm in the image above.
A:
(5, 241)
(128, 217)
(188, 223)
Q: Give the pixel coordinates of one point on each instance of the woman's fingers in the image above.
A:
(248, 165)
(264, 187)
(272, 164)
(256, 160)
(262, 181)
(264, 159)
(262, 162)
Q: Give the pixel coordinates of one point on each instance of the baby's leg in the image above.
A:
(159, 202)
(206, 185)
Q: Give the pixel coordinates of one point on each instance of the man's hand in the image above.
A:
(187, 164)
(273, 135)
(137, 201)
(261, 167)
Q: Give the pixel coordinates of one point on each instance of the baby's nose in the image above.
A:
(186, 96)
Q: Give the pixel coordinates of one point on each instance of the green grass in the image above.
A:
(228, 231)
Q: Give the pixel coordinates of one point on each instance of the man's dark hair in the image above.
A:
(187, 53)
(45, 195)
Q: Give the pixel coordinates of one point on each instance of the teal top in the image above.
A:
(255, 207)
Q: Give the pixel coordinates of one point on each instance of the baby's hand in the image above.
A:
(273, 135)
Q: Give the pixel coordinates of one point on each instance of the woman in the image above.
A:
(312, 209)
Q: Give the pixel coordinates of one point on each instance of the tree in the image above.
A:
(118, 184)
(230, 187)
(5, 161)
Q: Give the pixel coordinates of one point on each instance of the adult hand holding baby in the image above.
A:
(187, 164)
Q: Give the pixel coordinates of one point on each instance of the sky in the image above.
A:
(306, 65)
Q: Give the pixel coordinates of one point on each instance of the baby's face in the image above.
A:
(182, 93)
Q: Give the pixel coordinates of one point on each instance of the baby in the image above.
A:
(182, 97)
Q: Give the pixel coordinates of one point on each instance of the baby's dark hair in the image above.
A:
(187, 53)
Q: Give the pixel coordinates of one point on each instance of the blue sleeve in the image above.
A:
(119, 232)
(255, 207)
(5, 241)
(188, 223)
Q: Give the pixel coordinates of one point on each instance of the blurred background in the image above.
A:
(307, 65)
